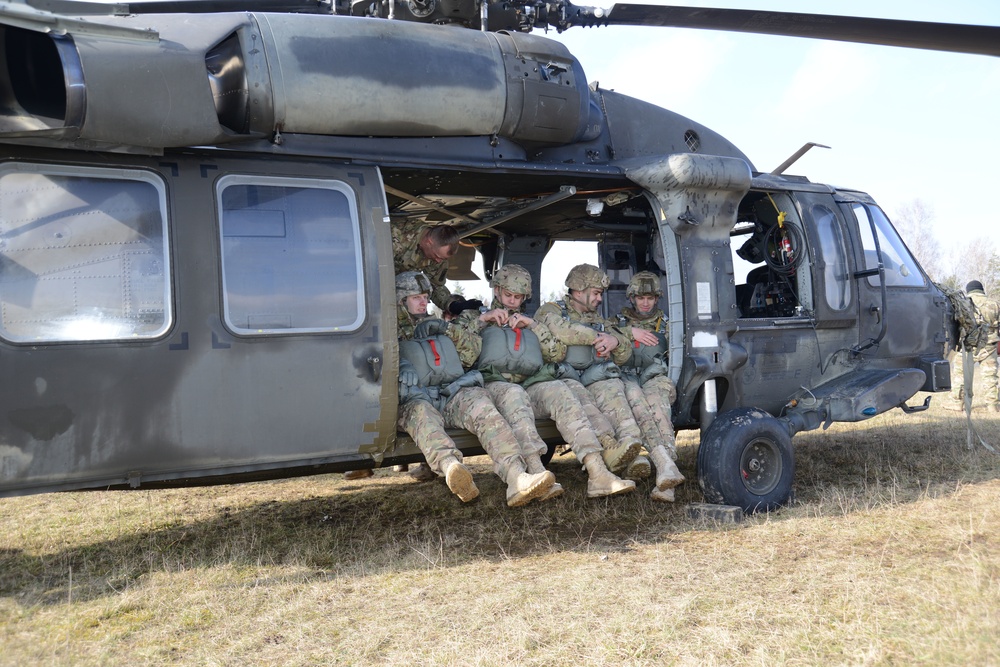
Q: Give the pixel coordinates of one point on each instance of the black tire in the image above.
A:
(746, 459)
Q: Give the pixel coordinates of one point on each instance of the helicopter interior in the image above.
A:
(770, 264)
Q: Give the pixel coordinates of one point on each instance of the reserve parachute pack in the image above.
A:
(973, 331)
(511, 351)
(434, 359)
(644, 355)
(580, 357)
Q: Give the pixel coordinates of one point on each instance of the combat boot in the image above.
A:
(666, 496)
(623, 453)
(459, 479)
(422, 473)
(667, 474)
(523, 487)
(638, 469)
(535, 465)
(358, 474)
(601, 481)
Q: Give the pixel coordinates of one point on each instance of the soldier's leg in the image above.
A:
(555, 401)
(472, 409)
(610, 398)
(660, 394)
(642, 412)
(602, 427)
(987, 359)
(514, 404)
(956, 377)
(426, 426)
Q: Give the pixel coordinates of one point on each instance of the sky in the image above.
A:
(902, 124)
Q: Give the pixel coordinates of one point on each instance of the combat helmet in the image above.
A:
(514, 278)
(410, 283)
(644, 282)
(585, 276)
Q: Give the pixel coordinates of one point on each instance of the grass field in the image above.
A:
(890, 555)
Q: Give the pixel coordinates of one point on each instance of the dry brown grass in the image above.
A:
(890, 555)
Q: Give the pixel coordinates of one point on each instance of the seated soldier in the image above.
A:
(506, 346)
(592, 345)
(647, 385)
(435, 391)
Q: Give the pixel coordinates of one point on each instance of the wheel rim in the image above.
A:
(760, 466)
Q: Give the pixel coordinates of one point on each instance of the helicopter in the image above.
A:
(196, 203)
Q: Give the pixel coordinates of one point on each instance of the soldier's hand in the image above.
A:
(498, 316)
(645, 337)
(520, 321)
(407, 374)
(604, 344)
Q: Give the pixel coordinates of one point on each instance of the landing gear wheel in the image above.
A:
(745, 459)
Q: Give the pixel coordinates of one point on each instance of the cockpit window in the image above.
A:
(833, 246)
(900, 268)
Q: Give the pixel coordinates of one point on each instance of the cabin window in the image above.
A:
(291, 255)
(83, 254)
(833, 247)
(900, 267)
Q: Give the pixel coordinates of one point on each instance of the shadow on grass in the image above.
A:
(323, 527)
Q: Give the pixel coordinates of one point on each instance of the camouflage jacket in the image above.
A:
(989, 311)
(568, 327)
(655, 321)
(469, 343)
(407, 256)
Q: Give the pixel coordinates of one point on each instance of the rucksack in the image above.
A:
(973, 330)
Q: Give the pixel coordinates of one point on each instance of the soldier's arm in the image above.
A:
(440, 296)
(623, 352)
(467, 341)
(568, 333)
(552, 348)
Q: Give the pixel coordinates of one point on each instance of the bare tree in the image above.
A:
(914, 221)
(978, 260)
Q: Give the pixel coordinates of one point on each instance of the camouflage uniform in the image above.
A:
(407, 256)
(986, 356)
(570, 327)
(546, 400)
(470, 408)
(658, 393)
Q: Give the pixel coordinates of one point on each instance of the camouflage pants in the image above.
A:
(650, 405)
(555, 401)
(514, 403)
(425, 425)
(472, 409)
(609, 395)
(598, 422)
(987, 359)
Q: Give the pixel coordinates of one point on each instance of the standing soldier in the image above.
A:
(507, 347)
(646, 380)
(988, 313)
(417, 246)
(593, 345)
(435, 391)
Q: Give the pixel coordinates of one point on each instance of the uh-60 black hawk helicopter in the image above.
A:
(196, 200)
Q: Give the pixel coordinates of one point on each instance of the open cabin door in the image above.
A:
(190, 318)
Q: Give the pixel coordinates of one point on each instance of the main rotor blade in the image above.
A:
(977, 39)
